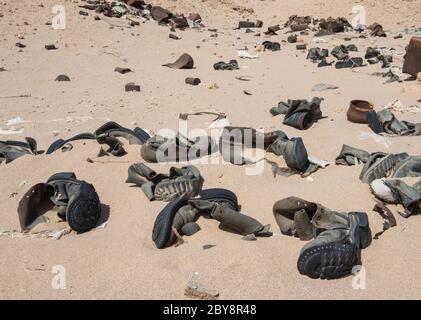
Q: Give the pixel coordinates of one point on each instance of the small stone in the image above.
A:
(50, 47)
(62, 77)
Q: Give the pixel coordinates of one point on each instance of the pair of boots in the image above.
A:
(337, 237)
(76, 201)
(166, 187)
(179, 217)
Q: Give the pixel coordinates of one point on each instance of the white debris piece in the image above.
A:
(247, 55)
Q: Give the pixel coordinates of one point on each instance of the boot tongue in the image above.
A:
(327, 219)
(303, 225)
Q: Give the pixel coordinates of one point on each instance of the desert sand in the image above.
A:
(121, 261)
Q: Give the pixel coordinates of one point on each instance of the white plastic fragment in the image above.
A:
(323, 87)
(247, 55)
(381, 191)
(15, 120)
(11, 131)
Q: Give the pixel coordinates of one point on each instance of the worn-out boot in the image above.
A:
(337, 247)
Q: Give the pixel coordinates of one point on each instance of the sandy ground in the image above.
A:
(121, 261)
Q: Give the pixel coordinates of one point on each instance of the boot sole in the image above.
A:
(335, 260)
(84, 211)
(330, 261)
(175, 189)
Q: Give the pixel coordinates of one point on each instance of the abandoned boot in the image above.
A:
(11, 150)
(233, 140)
(392, 125)
(282, 108)
(335, 251)
(83, 208)
(178, 148)
(293, 151)
(374, 122)
(75, 199)
(349, 63)
(350, 156)
(186, 180)
(340, 52)
(317, 54)
(380, 165)
(162, 233)
(231, 65)
(398, 192)
(113, 129)
(408, 196)
(302, 114)
(171, 216)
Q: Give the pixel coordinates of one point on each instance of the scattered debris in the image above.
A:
(13, 121)
(412, 63)
(62, 77)
(122, 70)
(11, 131)
(272, 46)
(50, 47)
(185, 61)
(185, 116)
(131, 86)
(193, 81)
(244, 54)
(194, 290)
(243, 78)
(376, 30)
(273, 29)
(56, 234)
(231, 65)
(323, 87)
(292, 38)
(398, 106)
